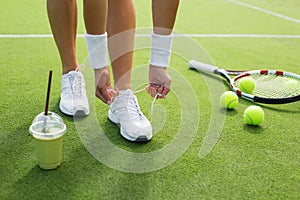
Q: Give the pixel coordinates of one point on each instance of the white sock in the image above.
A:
(161, 50)
(97, 49)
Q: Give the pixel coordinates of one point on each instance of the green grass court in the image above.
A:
(245, 163)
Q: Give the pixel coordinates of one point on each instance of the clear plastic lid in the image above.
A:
(50, 117)
(47, 127)
(47, 130)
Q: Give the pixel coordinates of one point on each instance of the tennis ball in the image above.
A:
(254, 115)
(229, 99)
(247, 85)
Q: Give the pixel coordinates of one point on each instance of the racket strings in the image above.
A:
(272, 86)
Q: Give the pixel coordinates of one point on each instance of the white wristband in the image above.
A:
(161, 50)
(97, 49)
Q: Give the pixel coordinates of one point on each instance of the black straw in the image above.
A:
(48, 92)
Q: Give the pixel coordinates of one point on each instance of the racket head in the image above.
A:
(271, 86)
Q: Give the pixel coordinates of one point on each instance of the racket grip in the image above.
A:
(193, 64)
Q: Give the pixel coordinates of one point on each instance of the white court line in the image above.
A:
(12, 36)
(265, 11)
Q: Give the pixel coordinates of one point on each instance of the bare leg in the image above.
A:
(121, 30)
(62, 15)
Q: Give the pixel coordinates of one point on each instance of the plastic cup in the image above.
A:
(48, 137)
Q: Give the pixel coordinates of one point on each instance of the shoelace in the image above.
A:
(76, 81)
(153, 102)
(133, 108)
(76, 85)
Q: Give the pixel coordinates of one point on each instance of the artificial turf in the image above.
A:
(246, 162)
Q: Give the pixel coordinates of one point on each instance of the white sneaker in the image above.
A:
(73, 99)
(126, 112)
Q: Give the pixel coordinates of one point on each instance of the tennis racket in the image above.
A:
(272, 86)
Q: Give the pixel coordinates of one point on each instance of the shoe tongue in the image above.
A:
(73, 73)
(126, 92)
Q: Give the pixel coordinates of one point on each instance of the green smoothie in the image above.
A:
(48, 142)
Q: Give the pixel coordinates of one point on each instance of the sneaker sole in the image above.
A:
(78, 113)
(139, 139)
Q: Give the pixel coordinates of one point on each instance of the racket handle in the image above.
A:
(193, 64)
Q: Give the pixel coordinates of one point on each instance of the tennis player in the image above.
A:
(105, 19)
